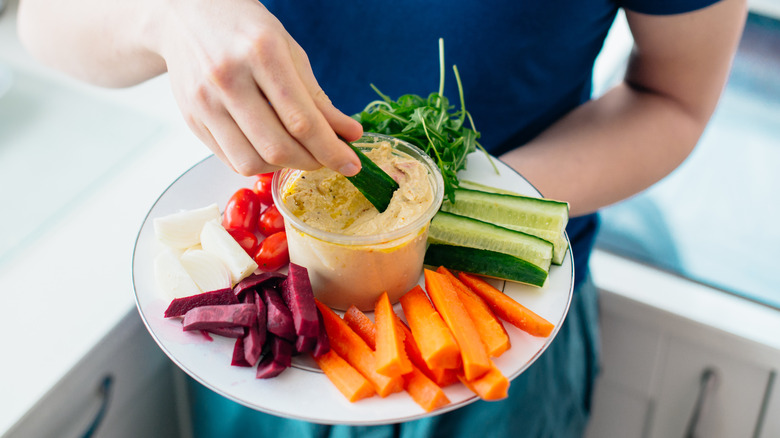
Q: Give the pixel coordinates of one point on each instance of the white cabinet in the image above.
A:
(653, 367)
(141, 396)
(729, 405)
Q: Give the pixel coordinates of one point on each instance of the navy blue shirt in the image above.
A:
(523, 65)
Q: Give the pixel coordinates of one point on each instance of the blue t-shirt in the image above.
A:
(523, 64)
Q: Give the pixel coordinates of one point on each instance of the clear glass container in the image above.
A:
(354, 270)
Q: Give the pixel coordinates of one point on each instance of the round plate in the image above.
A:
(302, 392)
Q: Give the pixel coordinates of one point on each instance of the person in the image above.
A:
(270, 85)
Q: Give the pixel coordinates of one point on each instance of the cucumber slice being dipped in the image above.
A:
(373, 182)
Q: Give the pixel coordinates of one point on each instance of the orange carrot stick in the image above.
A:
(491, 331)
(362, 325)
(391, 358)
(506, 308)
(356, 352)
(424, 391)
(344, 377)
(445, 298)
(493, 385)
(437, 344)
(441, 376)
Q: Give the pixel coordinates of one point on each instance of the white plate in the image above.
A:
(300, 392)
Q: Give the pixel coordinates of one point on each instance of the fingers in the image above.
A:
(312, 126)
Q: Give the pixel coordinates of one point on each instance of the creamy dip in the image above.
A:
(326, 200)
(352, 252)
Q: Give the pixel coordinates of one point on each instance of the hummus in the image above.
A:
(352, 252)
(326, 200)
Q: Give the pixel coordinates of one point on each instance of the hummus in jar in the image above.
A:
(352, 251)
(326, 200)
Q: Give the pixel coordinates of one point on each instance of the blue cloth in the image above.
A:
(524, 65)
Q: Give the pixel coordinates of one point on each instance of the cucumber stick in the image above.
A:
(485, 262)
(373, 182)
(452, 229)
(544, 218)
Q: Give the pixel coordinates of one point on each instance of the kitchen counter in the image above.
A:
(66, 283)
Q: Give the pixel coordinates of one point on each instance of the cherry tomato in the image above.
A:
(242, 210)
(246, 239)
(271, 221)
(273, 253)
(263, 188)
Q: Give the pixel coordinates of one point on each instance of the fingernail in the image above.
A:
(349, 169)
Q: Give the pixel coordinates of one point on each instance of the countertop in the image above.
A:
(67, 282)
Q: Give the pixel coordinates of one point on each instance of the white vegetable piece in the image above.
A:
(171, 276)
(206, 270)
(215, 239)
(182, 229)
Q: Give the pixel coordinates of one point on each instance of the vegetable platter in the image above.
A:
(303, 392)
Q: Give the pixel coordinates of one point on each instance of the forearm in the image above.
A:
(104, 42)
(613, 147)
(608, 149)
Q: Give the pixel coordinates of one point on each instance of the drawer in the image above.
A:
(732, 405)
(129, 372)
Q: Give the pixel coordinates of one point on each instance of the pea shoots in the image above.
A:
(445, 134)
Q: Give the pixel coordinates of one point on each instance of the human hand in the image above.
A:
(246, 89)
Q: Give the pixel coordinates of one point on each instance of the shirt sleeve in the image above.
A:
(664, 7)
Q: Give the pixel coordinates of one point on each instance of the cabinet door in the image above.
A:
(733, 403)
(126, 382)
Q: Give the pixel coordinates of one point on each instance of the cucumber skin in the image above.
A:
(451, 220)
(373, 182)
(485, 262)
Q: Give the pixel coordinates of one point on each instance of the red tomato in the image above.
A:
(242, 210)
(246, 239)
(273, 253)
(263, 188)
(271, 221)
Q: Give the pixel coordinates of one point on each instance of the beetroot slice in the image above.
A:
(209, 317)
(255, 280)
(323, 342)
(180, 306)
(257, 334)
(299, 297)
(280, 320)
(278, 358)
(238, 354)
(228, 332)
(305, 344)
(269, 368)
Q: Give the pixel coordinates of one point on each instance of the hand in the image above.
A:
(246, 89)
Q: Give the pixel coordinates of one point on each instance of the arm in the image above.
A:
(613, 147)
(226, 61)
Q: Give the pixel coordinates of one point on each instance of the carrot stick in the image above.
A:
(441, 376)
(391, 358)
(493, 385)
(424, 391)
(491, 331)
(444, 296)
(437, 344)
(362, 325)
(356, 352)
(506, 308)
(346, 378)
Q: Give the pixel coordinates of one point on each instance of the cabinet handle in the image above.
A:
(104, 390)
(707, 387)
